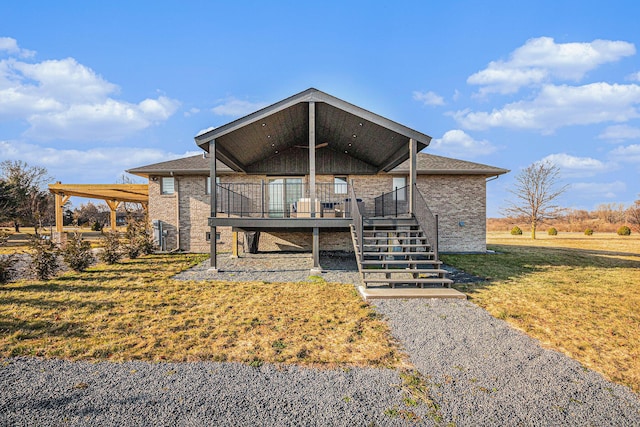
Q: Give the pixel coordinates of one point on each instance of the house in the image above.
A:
(313, 172)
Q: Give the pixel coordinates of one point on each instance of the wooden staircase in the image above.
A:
(397, 253)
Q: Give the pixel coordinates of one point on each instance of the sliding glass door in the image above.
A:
(283, 192)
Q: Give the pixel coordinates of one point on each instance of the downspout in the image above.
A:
(176, 184)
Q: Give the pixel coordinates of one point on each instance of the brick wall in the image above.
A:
(455, 198)
(164, 207)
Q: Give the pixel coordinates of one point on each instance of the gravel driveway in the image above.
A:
(480, 372)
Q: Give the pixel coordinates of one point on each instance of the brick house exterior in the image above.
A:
(454, 189)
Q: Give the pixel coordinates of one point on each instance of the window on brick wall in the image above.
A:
(340, 185)
(167, 185)
(399, 184)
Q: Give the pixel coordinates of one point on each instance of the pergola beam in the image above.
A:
(112, 194)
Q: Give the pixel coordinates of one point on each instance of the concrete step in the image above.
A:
(387, 293)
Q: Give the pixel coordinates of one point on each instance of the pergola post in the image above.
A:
(213, 266)
(60, 200)
(413, 153)
(113, 206)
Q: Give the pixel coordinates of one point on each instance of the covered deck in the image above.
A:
(292, 142)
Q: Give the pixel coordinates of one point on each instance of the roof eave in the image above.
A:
(310, 95)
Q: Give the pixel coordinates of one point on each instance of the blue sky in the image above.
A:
(89, 89)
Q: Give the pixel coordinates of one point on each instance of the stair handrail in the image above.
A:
(357, 215)
(426, 219)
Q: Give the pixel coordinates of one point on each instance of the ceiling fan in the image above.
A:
(322, 145)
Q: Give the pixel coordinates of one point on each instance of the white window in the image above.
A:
(340, 185)
(167, 185)
(399, 183)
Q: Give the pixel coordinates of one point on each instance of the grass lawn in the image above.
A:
(577, 294)
(135, 311)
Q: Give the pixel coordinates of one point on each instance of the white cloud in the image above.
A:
(67, 100)
(10, 45)
(598, 190)
(191, 112)
(95, 165)
(237, 107)
(634, 76)
(628, 154)
(205, 130)
(108, 121)
(457, 143)
(541, 59)
(617, 133)
(558, 106)
(428, 98)
(572, 166)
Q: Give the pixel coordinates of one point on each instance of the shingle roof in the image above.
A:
(427, 164)
(194, 165)
(430, 164)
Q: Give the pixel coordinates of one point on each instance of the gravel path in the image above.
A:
(484, 373)
(479, 370)
(54, 393)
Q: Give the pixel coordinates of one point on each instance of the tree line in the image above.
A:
(534, 202)
(24, 197)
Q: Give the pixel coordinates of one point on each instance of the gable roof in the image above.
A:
(430, 164)
(340, 126)
(427, 164)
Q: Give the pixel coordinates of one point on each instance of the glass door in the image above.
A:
(283, 192)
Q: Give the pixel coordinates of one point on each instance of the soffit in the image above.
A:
(340, 126)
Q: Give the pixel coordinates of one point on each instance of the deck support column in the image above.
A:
(316, 270)
(234, 244)
(413, 148)
(312, 158)
(213, 268)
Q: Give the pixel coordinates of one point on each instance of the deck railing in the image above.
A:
(427, 220)
(283, 200)
(356, 209)
(393, 203)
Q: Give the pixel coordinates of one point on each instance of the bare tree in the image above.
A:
(27, 191)
(633, 216)
(536, 189)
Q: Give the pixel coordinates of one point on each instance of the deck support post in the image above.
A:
(213, 260)
(312, 158)
(316, 270)
(413, 148)
(234, 244)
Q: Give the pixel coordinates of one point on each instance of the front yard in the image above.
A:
(135, 311)
(577, 294)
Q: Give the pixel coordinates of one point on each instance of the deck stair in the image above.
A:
(396, 253)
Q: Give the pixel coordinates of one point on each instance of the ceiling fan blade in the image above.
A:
(324, 144)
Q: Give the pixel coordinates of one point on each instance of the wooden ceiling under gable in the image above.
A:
(348, 139)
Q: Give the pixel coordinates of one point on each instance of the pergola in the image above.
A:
(112, 194)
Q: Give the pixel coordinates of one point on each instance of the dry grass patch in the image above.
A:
(134, 311)
(577, 294)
